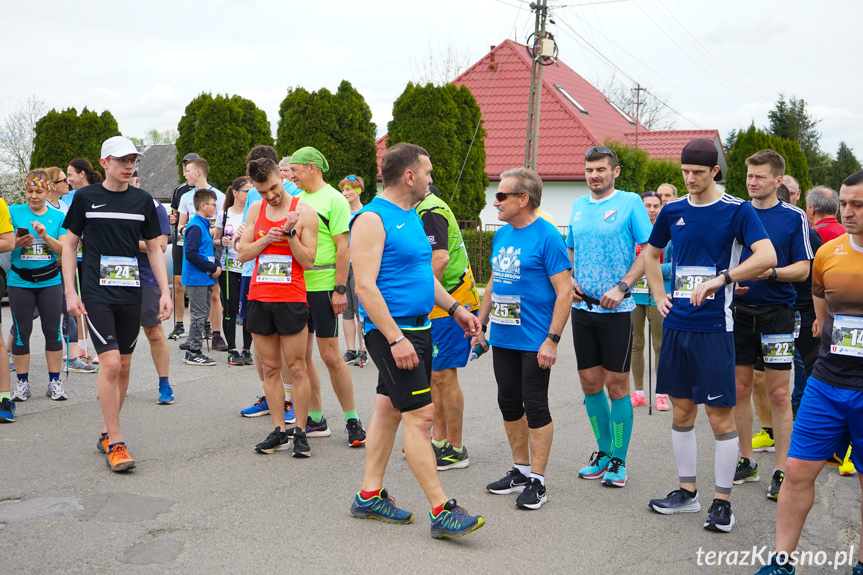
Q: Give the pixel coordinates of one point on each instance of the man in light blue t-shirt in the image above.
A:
(604, 228)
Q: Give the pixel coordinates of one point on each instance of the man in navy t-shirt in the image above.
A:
(764, 314)
(709, 229)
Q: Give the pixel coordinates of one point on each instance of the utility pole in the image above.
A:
(532, 143)
(637, 91)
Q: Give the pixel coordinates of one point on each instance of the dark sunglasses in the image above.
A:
(600, 150)
(501, 196)
(66, 180)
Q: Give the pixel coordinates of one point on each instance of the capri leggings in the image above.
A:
(522, 386)
(49, 301)
(229, 284)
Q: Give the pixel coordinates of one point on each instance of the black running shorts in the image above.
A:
(602, 339)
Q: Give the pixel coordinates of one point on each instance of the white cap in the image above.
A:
(118, 147)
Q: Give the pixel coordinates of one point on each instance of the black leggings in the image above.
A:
(229, 284)
(522, 386)
(23, 301)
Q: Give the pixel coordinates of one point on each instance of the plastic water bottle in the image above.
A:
(478, 350)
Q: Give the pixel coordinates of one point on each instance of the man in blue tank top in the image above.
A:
(709, 230)
(391, 256)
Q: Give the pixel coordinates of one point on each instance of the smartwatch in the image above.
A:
(553, 337)
(292, 233)
(728, 280)
(340, 289)
(773, 275)
(621, 285)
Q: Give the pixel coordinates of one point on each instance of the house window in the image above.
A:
(570, 98)
(621, 112)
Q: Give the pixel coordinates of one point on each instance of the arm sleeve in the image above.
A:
(437, 230)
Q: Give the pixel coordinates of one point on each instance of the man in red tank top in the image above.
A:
(284, 243)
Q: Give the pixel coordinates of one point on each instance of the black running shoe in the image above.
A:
(719, 517)
(218, 343)
(678, 501)
(747, 470)
(177, 333)
(356, 433)
(234, 358)
(513, 482)
(185, 345)
(533, 495)
(775, 484)
(349, 356)
(247, 358)
(276, 440)
(301, 444)
(197, 358)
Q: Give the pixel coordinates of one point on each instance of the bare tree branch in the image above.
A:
(17, 133)
(652, 114)
(442, 66)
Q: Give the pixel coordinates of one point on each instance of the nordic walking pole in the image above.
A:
(649, 356)
(66, 316)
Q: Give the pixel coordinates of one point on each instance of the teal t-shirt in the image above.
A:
(39, 254)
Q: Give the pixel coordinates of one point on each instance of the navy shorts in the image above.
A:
(697, 366)
(828, 420)
(450, 348)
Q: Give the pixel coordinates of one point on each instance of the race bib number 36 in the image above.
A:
(847, 336)
(778, 348)
(505, 309)
(118, 271)
(687, 278)
(274, 269)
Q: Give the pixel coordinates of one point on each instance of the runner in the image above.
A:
(605, 226)
(352, 186)
(527, 300)
(397, 290)
(667, 192)
(283, 246)
(7, 244)
(326, 291)
(822, 205)
(34, 283)
(709, 229)
(113, 216)
(177, 251)
(645, 311)
(227, 223)
(831, 413)
(150, 320)
(764, 315)
(450, 349)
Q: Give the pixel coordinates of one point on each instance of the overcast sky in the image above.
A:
(719, 64)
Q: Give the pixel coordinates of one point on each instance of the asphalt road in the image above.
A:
(202, 501)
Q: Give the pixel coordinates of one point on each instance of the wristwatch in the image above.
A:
(553, 337)
(773, 275)
(621, 285)
(727, 275)
(291, 233)
(340, 289)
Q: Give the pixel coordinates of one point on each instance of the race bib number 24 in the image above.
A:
(118, 271)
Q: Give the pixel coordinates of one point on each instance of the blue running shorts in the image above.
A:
(697, 366)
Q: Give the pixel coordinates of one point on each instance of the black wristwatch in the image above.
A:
(291, 233)
(340, 289)
(484, 328)
(727, 275)
(621, 285)
(553, 337)
(773, 275)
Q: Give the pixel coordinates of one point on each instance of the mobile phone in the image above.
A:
(23, 232)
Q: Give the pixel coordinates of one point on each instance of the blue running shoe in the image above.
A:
(454, 521)
(774, 568)
(290, 418)
(615, 473)
(258, 409)
(596, 468)
(166, 395)
(381, 507)
(7, 411)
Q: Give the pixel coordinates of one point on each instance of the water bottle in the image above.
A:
(478, 350)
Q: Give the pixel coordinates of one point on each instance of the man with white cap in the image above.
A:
(114, 215)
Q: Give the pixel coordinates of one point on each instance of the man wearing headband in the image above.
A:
(604, 227)
(708, 228)
(326, 288)
(764, 314)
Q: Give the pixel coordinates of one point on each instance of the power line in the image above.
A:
(655, 97)
(511, 5)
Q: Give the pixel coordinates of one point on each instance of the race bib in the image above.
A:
(505, 309)
(847, 336)
(38, 251)
(232, 264)
(687, 278)
(80, 251)
(118, 271)
(797, 323)
(778, 348)
(640, 287)
(274, 269)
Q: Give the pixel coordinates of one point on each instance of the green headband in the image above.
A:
(310, 155)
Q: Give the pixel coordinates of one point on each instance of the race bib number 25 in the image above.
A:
(506, 309)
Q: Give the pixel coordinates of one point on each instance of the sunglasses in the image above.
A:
(501, 196)
(354, 178)
(600, 150)
(64, 180)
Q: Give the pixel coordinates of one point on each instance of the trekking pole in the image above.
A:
(66, 323)
(649, 357)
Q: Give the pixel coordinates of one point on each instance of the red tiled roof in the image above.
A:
(565, 133)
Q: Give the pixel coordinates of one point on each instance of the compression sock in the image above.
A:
(685, 452)
(725, 462)
(53, 376)
(352, 414)
(316, 416)
(600, 419)
(163, 381)
(621, 425)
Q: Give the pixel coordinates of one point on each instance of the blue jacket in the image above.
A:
(199, 256)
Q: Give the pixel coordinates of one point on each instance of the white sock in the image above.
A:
(640, 392)
(524, 469)
(538, 476)
(685, 452)
(288, 389)
(725, 462)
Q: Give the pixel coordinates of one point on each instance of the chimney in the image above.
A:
(492, 65)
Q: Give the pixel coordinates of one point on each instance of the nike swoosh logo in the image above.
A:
(711, 398)
(99, 206)
(399, 227)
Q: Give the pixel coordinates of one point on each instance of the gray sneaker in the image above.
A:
(56, 391)
(22, 391)
(78, 365)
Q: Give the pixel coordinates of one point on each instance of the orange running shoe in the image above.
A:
(118, 458)
(102, 446)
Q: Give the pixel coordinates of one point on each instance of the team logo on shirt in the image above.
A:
(577, 216)
(610, 216)
(838, 252)
(680, 222)
(506, 263)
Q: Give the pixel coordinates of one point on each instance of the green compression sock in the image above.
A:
(599, 414)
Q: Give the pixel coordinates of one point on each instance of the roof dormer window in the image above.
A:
(571, 99)
(620, 111)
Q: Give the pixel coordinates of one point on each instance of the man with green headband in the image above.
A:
(325, 289)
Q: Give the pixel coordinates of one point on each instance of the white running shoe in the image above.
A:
(56, 391)
(22, 391)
